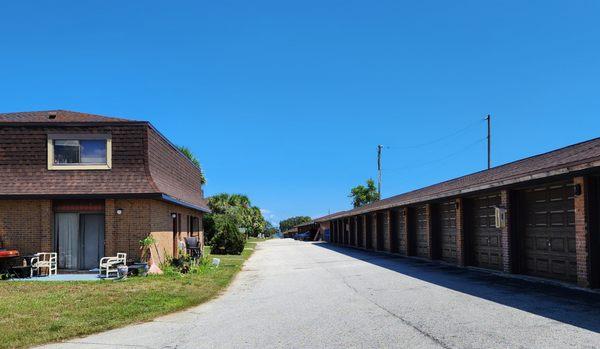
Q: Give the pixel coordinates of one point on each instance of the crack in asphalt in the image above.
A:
(401, 319)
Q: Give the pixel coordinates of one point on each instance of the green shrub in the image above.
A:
(209, 225)
(227, 240)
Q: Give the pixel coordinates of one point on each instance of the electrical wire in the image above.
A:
(470, 145)
(468, 126)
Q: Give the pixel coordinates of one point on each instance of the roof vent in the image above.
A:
(52, 115)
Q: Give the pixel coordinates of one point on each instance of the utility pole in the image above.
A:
(489, 141)
(379, 147)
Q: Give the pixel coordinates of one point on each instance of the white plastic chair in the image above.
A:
(109, 265)
(44, 260)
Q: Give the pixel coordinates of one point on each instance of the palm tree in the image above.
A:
(188, 153)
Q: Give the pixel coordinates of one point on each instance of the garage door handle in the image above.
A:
(549, 243)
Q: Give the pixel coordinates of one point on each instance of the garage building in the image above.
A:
(538, 216)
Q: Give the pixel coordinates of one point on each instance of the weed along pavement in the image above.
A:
(294, 294)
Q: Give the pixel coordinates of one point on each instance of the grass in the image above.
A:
(41, 312)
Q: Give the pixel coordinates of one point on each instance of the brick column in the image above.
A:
(386, 231)
(506, 234)
(46, 226)
(109, 228)
(430, 240)
(404, 231)
(582, 234)
(460, 233)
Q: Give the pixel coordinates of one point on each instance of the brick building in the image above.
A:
(538, 216)
(88, 186)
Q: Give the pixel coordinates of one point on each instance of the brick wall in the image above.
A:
(123, 232)
(26, 225)
(405, 232)
(461, 247)
(506, 233)
(582, 235)
(140, 218)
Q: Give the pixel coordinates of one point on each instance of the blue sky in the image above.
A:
(287, 101)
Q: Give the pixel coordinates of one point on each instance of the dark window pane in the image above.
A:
(93, 151)
(66, 152)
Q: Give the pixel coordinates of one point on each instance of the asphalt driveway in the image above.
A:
(305, 295)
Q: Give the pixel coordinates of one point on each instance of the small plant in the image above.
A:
(145, 245)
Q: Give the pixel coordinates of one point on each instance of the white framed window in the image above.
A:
(79, 152)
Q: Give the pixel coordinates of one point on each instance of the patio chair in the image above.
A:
(44, 260)
(192, 245)
(108, 265)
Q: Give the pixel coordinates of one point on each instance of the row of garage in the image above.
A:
(544, 228)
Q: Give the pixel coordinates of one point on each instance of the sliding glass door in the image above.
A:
(80, 240)
(67, 231)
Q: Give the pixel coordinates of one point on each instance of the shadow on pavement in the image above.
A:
(571, 306)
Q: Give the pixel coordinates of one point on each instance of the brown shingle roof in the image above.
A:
(60, 116)
(24, 171)
(573, 158)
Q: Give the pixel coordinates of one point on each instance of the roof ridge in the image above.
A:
(487, 175)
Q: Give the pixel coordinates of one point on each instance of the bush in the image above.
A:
(227, 240)
(210, 229)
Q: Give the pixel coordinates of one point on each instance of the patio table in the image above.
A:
(7, 258)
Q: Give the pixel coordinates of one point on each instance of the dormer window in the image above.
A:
(79, 152)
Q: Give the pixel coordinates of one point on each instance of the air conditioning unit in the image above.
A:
(500, 215)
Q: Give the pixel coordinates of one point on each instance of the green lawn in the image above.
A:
(41, 312)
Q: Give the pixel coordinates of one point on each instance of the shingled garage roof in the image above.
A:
(18, 179)
(57, 116)
(573, 158)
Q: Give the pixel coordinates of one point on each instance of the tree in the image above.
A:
(188, 153)
(362, 195)
(239, 210)
(291, 222)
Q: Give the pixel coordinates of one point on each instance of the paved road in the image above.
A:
(303, 295)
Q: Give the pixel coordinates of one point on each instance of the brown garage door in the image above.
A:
(549, 239)
(397, 243)
(421, 232)
(360, 234)
(447, 231)
(369, 231)
(486, 249)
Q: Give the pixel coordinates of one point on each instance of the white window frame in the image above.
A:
(79, 136)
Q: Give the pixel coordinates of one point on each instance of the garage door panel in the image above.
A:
(400, 228)
(447, 230)
(549, 212)
(542, 265)
(485, 250)
(558, 245)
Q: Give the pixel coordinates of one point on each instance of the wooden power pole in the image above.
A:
(379, 147)
(489, 141)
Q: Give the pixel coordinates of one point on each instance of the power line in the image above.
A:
(468, 126)
(470, 145)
